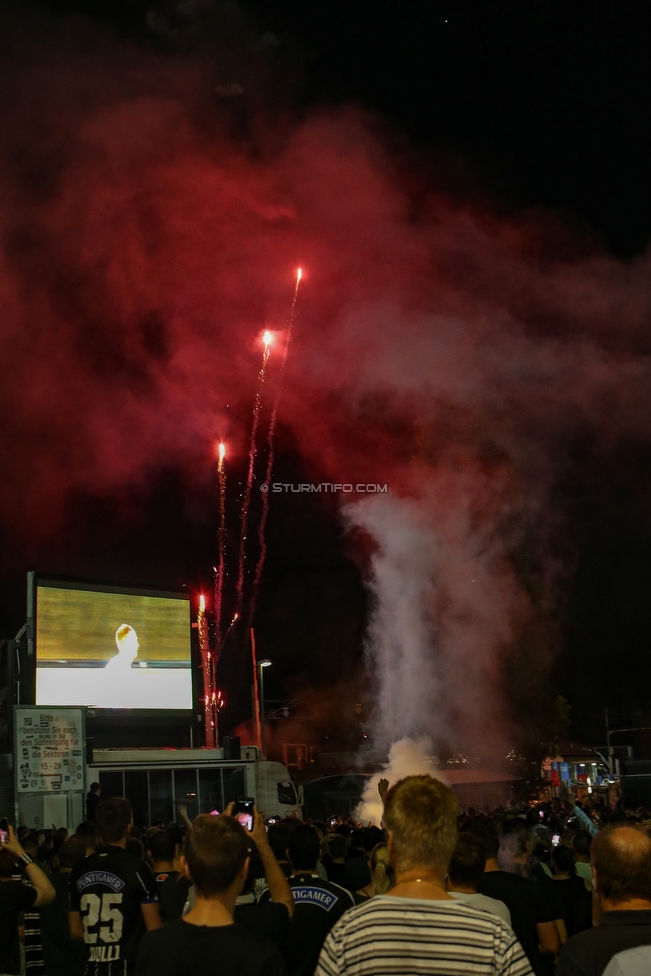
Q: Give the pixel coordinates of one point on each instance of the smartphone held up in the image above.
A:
(244, 811)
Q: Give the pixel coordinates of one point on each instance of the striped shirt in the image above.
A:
(390, 936)
(34, 965)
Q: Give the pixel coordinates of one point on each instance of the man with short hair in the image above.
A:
(278, 836)
(161, 852)
(176, 833)
(581, 844)
(207, 939)
(268, 917)
(584, 821)
(621, 866)
(87, 832)
(532, 917)
(32, 847)
(358, 868)
(318, 904)
(336, 866)
(112, 896)
(486, 830)
(464, 873)
(62, 956)
(419, 927)
(93, 800)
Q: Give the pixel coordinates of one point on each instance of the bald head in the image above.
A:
(621, 857)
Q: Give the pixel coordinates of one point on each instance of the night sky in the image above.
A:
(529, 121)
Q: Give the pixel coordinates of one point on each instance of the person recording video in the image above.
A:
(15, 897)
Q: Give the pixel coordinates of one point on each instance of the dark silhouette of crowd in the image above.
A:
(560, 887)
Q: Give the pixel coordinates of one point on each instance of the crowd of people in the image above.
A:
(556, 888)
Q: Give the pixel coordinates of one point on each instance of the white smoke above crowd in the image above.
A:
(443, 603)
(401, 637)
(407, 757)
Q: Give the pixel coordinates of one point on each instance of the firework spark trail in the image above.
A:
(210, 729)
(257, 403)
(262, 552)
(221, 538)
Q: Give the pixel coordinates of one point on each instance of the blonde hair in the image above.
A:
(383, 875)
(421, 814)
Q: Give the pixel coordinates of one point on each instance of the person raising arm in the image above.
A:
(45, 893)
(278, 885)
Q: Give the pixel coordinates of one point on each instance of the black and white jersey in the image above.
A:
(107, 889)
(317, 906)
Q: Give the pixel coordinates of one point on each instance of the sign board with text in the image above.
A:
(49, 749)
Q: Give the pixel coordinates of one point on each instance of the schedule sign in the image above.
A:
(49, 750)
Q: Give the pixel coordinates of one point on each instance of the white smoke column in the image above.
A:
(406, 758)
(446, 602)
(400, 645)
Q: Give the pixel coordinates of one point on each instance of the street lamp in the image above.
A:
(261, 665)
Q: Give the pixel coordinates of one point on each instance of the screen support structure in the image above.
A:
(28, 670)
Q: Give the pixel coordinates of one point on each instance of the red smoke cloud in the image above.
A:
(439, 348)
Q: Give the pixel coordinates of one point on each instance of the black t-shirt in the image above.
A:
(528, 907)
(162, 876)
(267, 919)
(93, 800)
(549, 889)
(588, 953)
(357, 873)
(182, 949)
(337, 873)
(172, 896)
(15, 897)
(577, 905)
(62, 955)
(551, 894)
(108, 889)
(172, 888)
(317, 906)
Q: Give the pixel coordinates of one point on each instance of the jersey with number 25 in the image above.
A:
(107, 889)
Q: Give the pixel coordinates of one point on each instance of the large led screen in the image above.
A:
(112, 649)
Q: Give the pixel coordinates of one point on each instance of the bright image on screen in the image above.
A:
(112, 650)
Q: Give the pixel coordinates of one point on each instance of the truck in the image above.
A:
(163, 782)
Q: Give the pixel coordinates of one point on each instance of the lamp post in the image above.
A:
(256, 695)
(261, 666)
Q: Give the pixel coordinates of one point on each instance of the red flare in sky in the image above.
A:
(221, 537)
